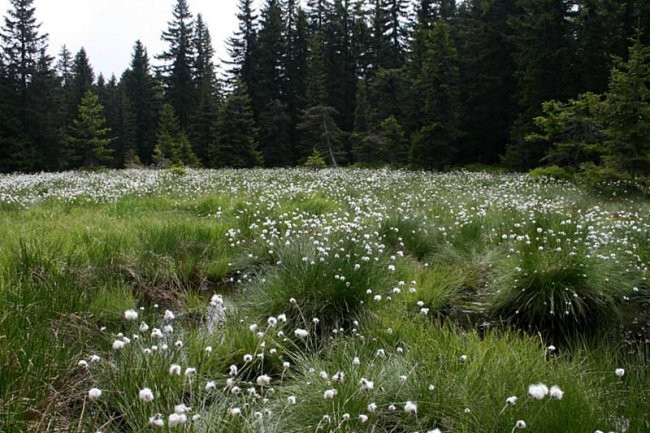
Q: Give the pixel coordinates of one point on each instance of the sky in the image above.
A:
(107, 29)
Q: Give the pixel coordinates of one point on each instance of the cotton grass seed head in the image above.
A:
(146, 395)
(556, 393)
(94, 393)
(538, 391)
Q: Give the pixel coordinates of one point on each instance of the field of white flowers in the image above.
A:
(321, 301)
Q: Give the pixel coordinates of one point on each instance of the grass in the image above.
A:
(448, 288)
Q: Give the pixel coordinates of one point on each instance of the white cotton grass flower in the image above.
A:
(175, 370)
(181, 408)
(329, 394)
(190, 371)
(169, 315)
(372, 407)
(146, 395)
(210, 386)
(157, 420)
(263, 380)
(94, 358)
(233, 370)
(410, 407)
(176, 419)
(94, 393)
(556, 393)
(339, 377)
(83, 363)
(435, 430)
(363, 418)
(118, 344)
(620, 372)
(143, 327)
(156, 334)
(520, 425)
(131, 315)
(248, 358)
(292, 399)
(538, 391)
(235, 411)
(366, 385)
(512, 400)
(301, 333)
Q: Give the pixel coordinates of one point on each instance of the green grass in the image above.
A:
(441, 284)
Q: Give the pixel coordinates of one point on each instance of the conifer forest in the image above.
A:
(369, 216)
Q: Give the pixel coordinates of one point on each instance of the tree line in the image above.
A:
(427, 84)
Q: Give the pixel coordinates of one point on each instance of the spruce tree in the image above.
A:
(320, 132)
(543, 47)
(435, 144)
(172, 147)
(242, 46)
(627, 113)
(143, 92)
(395, 12)
(83, 78)
(88, 138)
(296, 70)
(271, 57)
(275, 135)
(206, 112)
(178, 60)
(237, 145)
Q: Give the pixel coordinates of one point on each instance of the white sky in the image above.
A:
(107, 29)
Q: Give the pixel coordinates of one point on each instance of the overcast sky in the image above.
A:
(108, 28)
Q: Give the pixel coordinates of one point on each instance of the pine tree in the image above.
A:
(318, 12)
(296, 70)
(627, 112)
(380, 48)
(143, 92)
(320, 131)
(237, 145)
(83, 78)
(544, 47)
(395, 30)
(271, 58)
(172, 148)
(88, 139)
(206, 113)
(178, 60)
(435, 144)
(242, 46)
(487, 77)
(275, 135)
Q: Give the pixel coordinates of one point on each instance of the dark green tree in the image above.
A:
(172, 148)
(544, 47)
(435, 144)
(178, 60)
(145, 96)
(396, 31)
(237, 145)
(627, 113)
(242, 46)
(206, 112)
(88, 138)
(320, 132)
(83, 78)
(275, 135)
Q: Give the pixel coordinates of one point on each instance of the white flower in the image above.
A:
(372, 407)
(511, 401)
(157, 420)
(410, 407)
(363, 418)
(168, 329)
(146, 394)
(538, 391)
(94, 358)
(291, 399)
(233, 368)
(329, 394)
(175, 369)
(178, 344)
(620, 372)
(94, 393)
(272, 321)
(235, 411)
(217, 300)
(263, 380)
(169, 315)
(118, 344)
(339, 377)
(181, 408)
(556, 393)
(131, 315)
(196, 417)
(435, 430)
(83, 363)
(356, 361)
(211, 385)
(248, 357)
(208, 349)
(176, 419)
(463, 358)
(286, 365)
(366, 385)
(190, 371)
(301, 333)
(521, 424)
(282, 318)
(551, 348)
(156, 333)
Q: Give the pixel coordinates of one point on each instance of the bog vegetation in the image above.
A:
(321, 301)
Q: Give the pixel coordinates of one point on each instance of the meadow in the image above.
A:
(378, 301)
